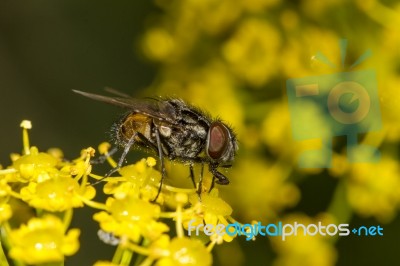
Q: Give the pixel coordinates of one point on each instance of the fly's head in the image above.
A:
(221, 145)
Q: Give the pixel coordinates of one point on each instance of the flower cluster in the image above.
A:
(312, 250)
(134, 216)
(131, 215)
(51, 187)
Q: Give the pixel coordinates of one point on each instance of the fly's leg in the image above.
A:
(200, 188)
(121, 160)
(193, 180)
(212, 184)
(218, 177)
(160, 156)
(199, 185)
(191, 170)
(124, 153)
(102, 158)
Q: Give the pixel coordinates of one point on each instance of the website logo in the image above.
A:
(338, 104)
(250, 231)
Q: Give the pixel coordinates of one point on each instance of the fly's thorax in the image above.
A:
(164, 128)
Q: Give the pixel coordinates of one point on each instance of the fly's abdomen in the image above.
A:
(135, 124)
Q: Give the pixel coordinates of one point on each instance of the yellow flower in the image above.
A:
(59, 193)
(211, 16)
(185, 251)
(210, 209)
(5, 212)
(277, 133)
(139, 178)
(258, 6)
(158, 44)
(374, 189)
(131, 217)
(253, 51)
(388, 77)
(159, 248)
(35, 166)
(201, 90)
(275, 130)
(298, 55)
(303, 249)
(42, 240)
(388, 86)
(5, 188)
(213, 206)
(259, 183)
(318, 9)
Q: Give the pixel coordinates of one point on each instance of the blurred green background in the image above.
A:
(231, 57)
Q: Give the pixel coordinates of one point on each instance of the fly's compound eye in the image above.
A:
(218, 137)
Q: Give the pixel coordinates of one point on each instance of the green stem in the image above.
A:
(25, 141)
(339, 206)
(3, 258)
(126, 257)
(67, 218)
(122, 256)
(211, 246)
(147, 262)
(142, 252)
(93, 204)
(5, 232)
(39, 212)
(178, 223)
(117, 255)
(138, 249)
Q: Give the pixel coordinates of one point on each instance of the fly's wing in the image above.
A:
(116, 92)
(161, 110)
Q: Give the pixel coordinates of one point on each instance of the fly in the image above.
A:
(172, 129)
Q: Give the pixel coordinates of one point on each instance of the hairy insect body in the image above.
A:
(172, 129)
(182, 141)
